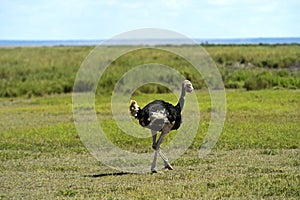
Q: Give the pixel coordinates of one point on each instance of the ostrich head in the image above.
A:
(134, 108)
(187, 86)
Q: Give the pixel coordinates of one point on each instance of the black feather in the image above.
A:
(172, 113)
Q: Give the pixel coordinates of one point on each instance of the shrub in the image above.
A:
(49, 70)
(234, 85)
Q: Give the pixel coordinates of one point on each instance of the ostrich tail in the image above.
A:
(132, 102)
(134, 108)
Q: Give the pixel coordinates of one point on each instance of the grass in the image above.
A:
(256, 157)
(39, 71)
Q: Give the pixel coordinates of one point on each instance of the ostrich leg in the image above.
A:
(166, 129)
(156, 146)
(167, 164)
(153, 166)
(154, 133)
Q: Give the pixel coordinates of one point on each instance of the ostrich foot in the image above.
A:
(156, 172)
(169, 167)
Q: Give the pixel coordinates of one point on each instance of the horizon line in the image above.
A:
(151, 41)
(192, 38)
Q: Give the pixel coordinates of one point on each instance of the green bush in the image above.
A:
(48, 70)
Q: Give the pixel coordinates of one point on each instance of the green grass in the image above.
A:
(256, 157)
(39, 71)
(270, 56)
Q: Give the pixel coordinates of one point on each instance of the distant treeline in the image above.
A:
(38, 71)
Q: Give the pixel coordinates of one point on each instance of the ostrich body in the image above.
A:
(160, 116)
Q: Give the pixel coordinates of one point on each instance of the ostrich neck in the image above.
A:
(182, 98)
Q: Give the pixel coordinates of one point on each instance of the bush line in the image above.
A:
(38, 71)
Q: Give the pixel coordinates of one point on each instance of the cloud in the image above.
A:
(222, 2)
(175, 4)
(122, 4)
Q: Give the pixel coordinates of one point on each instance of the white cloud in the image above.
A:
(122, 4)
(222, 2)
(175, 4)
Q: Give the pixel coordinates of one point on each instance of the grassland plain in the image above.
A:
(38, 71)
(256, 157)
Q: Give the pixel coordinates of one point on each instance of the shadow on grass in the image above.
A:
(108, 174)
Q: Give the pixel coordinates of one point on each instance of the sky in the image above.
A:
(103, 19)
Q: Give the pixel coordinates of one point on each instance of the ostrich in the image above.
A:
(160, 116)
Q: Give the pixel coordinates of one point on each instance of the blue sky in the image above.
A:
(98, 19)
